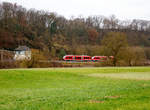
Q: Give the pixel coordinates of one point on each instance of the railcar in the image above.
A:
(77, 58)
(99, 58)
(85, 58)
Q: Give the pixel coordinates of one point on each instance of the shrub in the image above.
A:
(37, 60)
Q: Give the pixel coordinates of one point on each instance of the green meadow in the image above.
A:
(104, 88)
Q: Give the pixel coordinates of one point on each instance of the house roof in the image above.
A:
(22, 48)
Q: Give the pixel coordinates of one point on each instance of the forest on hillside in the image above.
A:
(56, 36)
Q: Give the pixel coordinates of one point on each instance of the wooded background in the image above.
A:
(56, 36)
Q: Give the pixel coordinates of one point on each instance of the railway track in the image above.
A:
(62, 61)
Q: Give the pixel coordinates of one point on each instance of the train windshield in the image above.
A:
(97, 58)
(69, 57)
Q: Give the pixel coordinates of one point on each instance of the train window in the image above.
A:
(79, 58)
(68, 57)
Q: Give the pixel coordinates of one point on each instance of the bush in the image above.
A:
(147, 52)
(37, 60)
(134, 56)
(11, 64)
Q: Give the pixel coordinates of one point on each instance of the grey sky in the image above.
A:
(123, 9)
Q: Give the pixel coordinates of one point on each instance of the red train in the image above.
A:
(85, 58)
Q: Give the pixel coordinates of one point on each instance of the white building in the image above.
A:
(22, 53)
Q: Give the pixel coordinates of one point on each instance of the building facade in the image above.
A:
(22, 53)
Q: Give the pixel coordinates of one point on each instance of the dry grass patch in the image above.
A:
(131, 76)
(112, 97)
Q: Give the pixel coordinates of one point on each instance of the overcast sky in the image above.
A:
(123, 9)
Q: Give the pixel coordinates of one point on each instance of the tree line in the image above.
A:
(56, 36)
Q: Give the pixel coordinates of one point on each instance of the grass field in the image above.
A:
(109, 88)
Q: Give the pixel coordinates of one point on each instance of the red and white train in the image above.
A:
(85, 58)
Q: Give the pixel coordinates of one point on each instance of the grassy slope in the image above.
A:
(75, 89)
